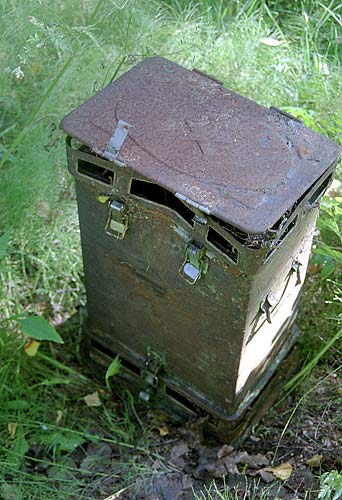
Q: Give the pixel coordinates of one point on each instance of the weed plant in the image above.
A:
(53, 56)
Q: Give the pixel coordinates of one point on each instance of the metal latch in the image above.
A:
(117, 222)
(153, 365)
(268, 304)
(195, 263)
(295, 268)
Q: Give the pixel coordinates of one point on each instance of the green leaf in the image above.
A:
(4, 238)
(327, 251)
(19, 449)
(328, 269)
(17, 404)
(112, 370)
(38, 328)
(64, 441)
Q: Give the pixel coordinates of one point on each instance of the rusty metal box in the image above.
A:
(197, 210)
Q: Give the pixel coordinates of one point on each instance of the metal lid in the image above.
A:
(244, 163)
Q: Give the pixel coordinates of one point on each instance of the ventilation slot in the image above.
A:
(124, 362)
(287, 230)
(281, 222)
(222, 244)
(320, 190)
(96, 172)
(239, 235)
(181, 399)
(157, 194)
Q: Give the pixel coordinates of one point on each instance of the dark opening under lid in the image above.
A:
(242, 162)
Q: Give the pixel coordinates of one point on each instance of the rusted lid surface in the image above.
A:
(245, 163)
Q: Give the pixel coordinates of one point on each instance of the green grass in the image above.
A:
(53, 56)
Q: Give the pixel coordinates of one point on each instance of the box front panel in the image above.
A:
(138, 299)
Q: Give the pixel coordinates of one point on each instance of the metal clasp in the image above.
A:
(117, 222)
(195, 263)
(153, 365)
(295, 268)
(268, 304)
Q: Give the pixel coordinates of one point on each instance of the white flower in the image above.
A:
(35, 21)
(18, 73)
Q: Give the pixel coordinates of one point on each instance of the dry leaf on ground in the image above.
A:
(92, 399)
(59, 417)
(44, 211)
(282, 471)
(224, 451)
(315, 461)
(31, 347)
(271, 42)
(163, 430)
(12, 429)
(179, 450)
(266, 476)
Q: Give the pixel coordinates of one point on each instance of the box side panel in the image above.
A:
(273, 301)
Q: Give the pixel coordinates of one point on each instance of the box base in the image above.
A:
(232, 429)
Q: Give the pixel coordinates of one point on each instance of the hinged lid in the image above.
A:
(242, 162)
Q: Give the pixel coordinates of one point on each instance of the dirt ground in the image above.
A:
(284, 455)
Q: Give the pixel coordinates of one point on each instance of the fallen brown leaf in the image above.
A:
(44, 211)
(224, 451)
(315, 461)
(187, 482)
(177, 453)
(253, 461)
(230, 464)
(163, 430)
(266, 476)
(271, 42)
(59, 416)
(179, 450)
(92, 399)
(31, 347)
(282, 471)
(12, 429)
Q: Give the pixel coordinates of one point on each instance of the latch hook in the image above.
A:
(153, 365)
(117, 222)
(195, 264)
(267, 305)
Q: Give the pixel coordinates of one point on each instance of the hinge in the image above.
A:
(195, 264)
(117, 221)
(154, 363)
(116, 141)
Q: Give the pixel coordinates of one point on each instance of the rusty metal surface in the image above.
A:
(219, 350)
(242, 162)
